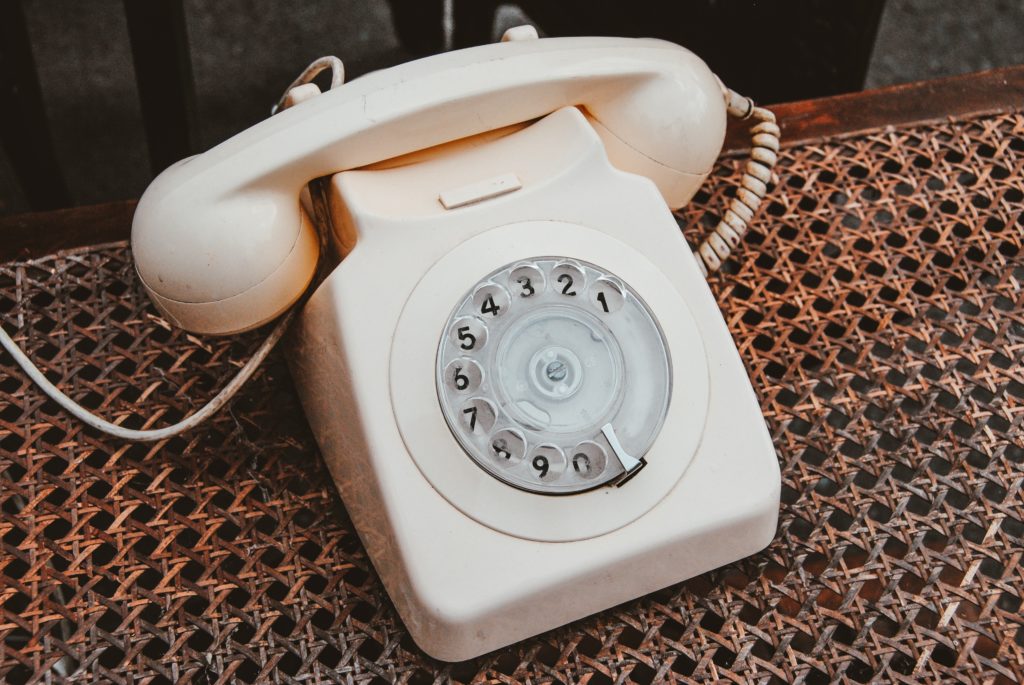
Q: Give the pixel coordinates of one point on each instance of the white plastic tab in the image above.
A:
(516, 33)
(482, 190)
(301, 93)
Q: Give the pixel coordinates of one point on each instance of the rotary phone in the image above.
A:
(511, 361)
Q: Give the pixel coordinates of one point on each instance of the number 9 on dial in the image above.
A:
(548, 462)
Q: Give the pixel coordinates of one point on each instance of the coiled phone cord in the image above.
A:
(756, 176)
(711, 253)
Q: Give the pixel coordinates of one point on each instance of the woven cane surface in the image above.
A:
(879, 308)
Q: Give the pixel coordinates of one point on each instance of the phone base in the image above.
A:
(471, 563)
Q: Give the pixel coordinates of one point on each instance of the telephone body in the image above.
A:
(517, 374)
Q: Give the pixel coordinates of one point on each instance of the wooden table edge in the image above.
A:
(840, 116)
(34, 234)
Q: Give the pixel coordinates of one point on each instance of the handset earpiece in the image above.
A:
(668, 126)
(222, 244)
(235, 267)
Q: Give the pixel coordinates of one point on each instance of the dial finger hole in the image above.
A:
(526, 280)
(463, 375)
(607, 296)
(588, 460)
(468, 334)
(491, 300)
(508, 447)
(477, 416)
(547, 462)
(567, 279)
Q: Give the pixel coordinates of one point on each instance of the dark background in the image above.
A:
(243, 52)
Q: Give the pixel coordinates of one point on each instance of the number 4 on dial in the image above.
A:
(489, 307)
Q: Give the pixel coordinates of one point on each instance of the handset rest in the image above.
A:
(222, 244)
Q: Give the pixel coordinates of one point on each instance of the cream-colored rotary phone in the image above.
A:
(516, 373)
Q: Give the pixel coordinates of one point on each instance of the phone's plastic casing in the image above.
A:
(471, 563)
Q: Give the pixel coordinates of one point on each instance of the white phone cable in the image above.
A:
(764, 153)
(711, 253)
(229, 390)
(149, 435)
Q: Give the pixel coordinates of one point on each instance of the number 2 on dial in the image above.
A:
(566, 279)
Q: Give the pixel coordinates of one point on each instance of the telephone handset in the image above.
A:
(517, 375)
(220, 240)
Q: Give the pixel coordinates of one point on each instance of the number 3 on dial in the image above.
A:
(527, 280)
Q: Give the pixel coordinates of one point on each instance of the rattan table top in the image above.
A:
(879, 307)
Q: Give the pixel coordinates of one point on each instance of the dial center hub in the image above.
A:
(557, 372)
(558, 369)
